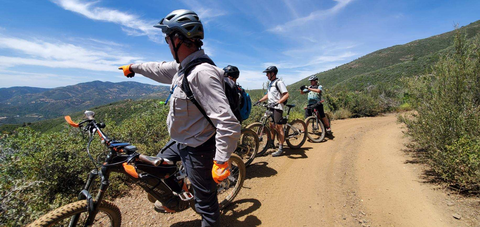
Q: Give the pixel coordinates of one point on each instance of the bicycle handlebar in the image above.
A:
(267, 105)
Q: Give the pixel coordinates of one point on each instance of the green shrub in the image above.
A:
(42, 171)
(342, 114)
(446, 119)
(463, 162)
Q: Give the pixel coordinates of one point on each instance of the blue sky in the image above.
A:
(63, 42)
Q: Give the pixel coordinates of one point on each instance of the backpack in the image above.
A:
(231, 90)
(246, 105)
(276, 86)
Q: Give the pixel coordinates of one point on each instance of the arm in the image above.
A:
(162, 72)
(283, 89)
(263, 98)
(315, 90)
(284, 97)
(208, 87)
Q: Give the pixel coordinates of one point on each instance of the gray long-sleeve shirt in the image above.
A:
(186, 124)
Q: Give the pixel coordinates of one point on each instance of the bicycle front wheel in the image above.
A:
(315, 129)
(108, 215)
(264, 136)
(248, 146)
(229, 188)
(295, 135)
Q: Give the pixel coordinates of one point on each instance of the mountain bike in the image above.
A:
(295, 131)
(248, 145)
(163, 180)
(315, 127)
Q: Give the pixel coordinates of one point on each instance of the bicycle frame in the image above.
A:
(269, 115)
(120, 158)
(317, 117)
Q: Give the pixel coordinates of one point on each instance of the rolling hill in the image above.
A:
(387, 66)
(23, 104)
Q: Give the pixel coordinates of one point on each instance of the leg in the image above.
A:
(272, 132)
(308, 112)
(171, 153)
(322, 116)
(198, 163)
(281, 134)
(277, 117)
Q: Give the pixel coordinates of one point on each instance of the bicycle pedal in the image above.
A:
(184, 196)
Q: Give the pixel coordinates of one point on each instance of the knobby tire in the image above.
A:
(248, 146)
(265, 137)
(315, 131)
(108, 215)
(296, 138)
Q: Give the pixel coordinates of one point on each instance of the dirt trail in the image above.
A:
(361, 178)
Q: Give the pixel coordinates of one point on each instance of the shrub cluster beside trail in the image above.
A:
(446, 118)
(42, 171)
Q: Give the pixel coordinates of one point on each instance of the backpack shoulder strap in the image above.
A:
(276, 85)
(186, 85)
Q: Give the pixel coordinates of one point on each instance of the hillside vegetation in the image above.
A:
(19, 105)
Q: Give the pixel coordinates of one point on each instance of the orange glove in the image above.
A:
(127, 70)
(220, 171)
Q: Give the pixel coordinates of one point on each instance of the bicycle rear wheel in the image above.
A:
(315, 129)
(295, 135)
(108, 215)
(248, 146)
(264, 136)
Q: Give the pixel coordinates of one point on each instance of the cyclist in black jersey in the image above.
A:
(314, 92)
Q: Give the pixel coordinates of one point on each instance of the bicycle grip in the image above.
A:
(154, 161)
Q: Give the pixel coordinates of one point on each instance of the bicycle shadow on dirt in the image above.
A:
(298, 153)
(230, 215)
(259, 170)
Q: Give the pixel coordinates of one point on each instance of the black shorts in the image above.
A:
(277, 116)
(318, 107)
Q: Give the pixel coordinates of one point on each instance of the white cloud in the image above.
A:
(206, 13)
(314, 16)
(61, 55)
(130, 23)
(46, 80)
(312, 61)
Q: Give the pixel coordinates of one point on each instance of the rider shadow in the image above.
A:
(259, 170)
(298, 153)
(230, 215)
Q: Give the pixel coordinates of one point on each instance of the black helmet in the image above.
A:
(184, 21)
(313, 78)
(271, 69)
(232, 71)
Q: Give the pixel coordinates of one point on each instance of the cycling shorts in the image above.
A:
(318, 107)
(277, 116)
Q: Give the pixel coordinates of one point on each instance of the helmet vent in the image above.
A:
(189, 28)
(183, 19)
(196, 18)
(170, 17)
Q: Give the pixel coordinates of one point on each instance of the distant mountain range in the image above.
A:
(29, 104)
